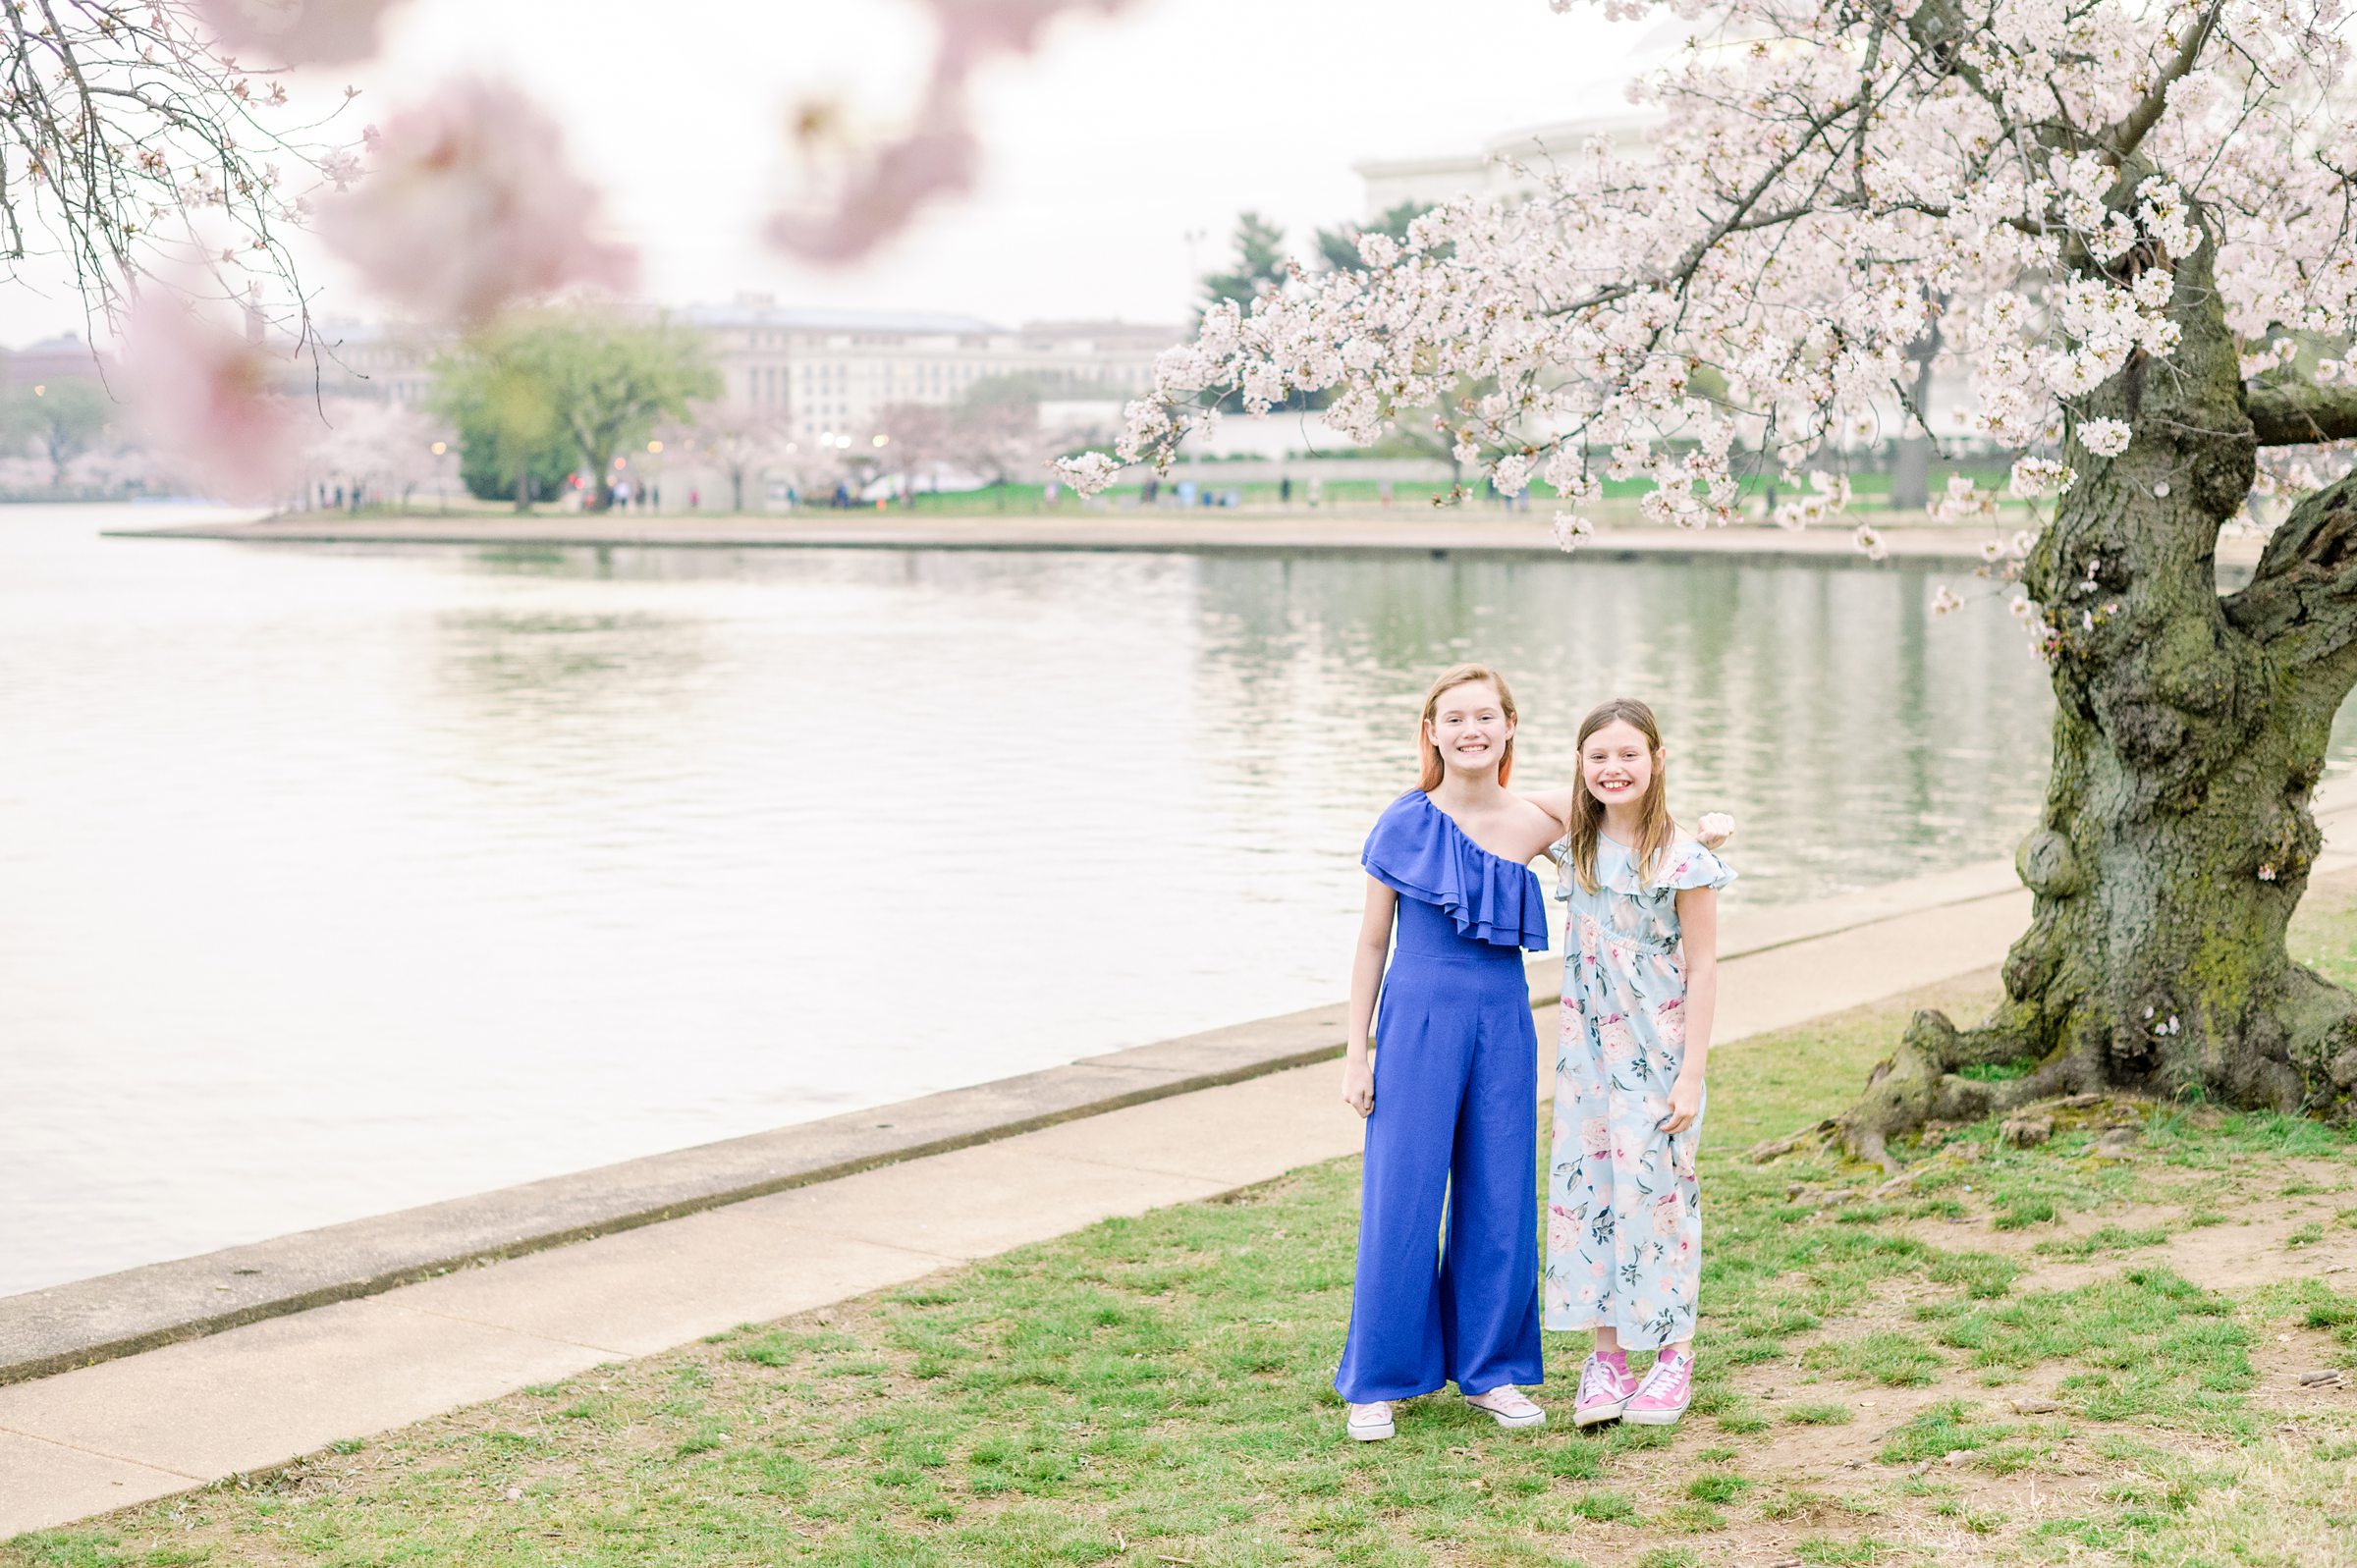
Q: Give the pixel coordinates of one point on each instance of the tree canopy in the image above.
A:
(1256, 268)
(580, 386)
(64, 419)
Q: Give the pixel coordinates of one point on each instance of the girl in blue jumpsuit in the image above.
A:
(1450, 1096)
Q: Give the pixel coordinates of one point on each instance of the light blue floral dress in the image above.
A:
(1623, 1209)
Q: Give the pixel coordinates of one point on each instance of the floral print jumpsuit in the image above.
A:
(1623, 1209)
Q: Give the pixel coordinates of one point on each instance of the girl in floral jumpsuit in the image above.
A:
(1624, 1211)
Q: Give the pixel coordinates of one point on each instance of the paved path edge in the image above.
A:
(89, 1320)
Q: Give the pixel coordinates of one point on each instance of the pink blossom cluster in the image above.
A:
(859, 190)
(471, 205)
(298, 32)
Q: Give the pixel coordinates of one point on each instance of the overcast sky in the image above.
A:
(1103, 150)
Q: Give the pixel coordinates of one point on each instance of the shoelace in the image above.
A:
(1597, 1380)
(1668, 1381)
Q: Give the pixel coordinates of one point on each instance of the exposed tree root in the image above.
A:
(1921, 1082)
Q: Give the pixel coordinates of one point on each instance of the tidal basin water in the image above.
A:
(334, 880)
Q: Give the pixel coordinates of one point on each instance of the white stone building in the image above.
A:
(830, 371)
(825, 372)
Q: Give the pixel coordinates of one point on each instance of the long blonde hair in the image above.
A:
(1450, 679)
(1655, 831)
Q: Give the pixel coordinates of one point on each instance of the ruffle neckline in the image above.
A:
(1685, 864)
(1418, 852)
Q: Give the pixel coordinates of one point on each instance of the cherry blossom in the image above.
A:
(211, 399)
(2105, 438)
(471, 205)
(299, 32)
(859, 189)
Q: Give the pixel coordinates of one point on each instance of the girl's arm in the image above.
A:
(1698, 933)
(1366, 978)
(1556, 802)
(1715, 829)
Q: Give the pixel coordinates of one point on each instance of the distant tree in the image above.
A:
(1911, 465)
(919, 437)
(372, 447)
(739, 441)
(582, 382)
(63, 419)
(511, 442)
(1337, 246)
(995, 428)
(1259, 264)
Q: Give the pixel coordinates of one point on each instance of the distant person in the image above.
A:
(695, 498)
(1052, 494)
(1148, 491)
(1285, 490)
(843, 496)
(1383, 491)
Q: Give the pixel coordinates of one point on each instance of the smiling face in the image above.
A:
(1469, 728)
(1618, 765)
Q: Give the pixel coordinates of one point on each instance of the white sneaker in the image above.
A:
(1370, 1422)
(1509, 1406)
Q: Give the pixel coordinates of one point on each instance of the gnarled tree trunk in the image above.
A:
(2191, 728)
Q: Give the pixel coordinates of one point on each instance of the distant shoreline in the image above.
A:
(1355, 533)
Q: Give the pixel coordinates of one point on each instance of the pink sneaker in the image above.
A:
(1606, 1387)
(1668, 1389)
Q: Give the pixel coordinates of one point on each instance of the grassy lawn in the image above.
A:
(2056, 1355)
(1871, 493)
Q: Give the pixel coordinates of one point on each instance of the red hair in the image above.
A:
(1450, 679)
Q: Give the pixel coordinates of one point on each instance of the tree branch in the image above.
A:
(2303, 416)
(2302, 600)
(2130, 133)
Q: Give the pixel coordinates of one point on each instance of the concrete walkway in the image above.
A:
(1474, 530)
(102, 1436)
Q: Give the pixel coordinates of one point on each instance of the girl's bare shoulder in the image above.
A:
(1534, 825)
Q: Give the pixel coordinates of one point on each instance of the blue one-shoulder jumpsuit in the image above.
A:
(1454, 1123)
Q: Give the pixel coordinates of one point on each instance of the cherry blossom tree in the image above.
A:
(740, 441)
(378, 452)
(138, 145)
(2131, 223)
(63, 422)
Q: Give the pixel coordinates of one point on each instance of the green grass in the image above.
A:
(1820, 1415)
(1870, 490)
(1157, 1389)
(2106, 1239)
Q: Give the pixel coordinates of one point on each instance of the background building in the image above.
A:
(833, 370)
(824, 370)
